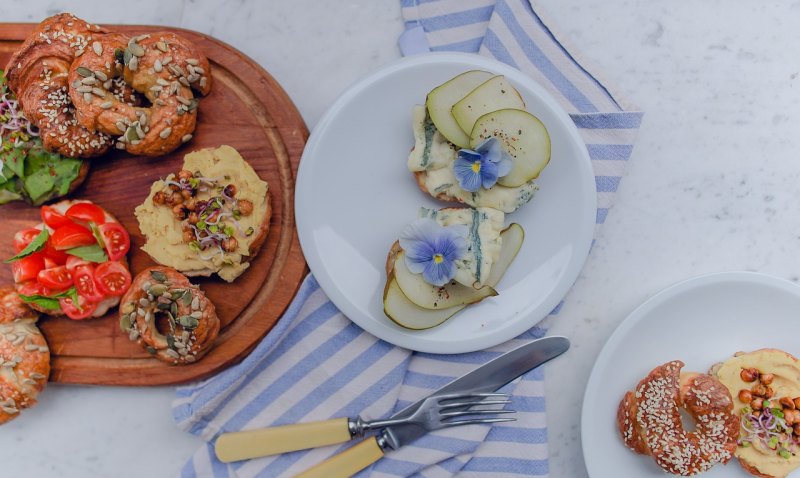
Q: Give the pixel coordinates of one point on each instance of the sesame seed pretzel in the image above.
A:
(163, 298)
(24, 356)
(650, 422)
(37, 74)
(163, 67)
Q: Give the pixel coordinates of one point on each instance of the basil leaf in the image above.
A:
(50, 302)
(93, 253)
(97, 235)
(36, 244)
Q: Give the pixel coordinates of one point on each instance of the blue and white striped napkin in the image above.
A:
(316, 364)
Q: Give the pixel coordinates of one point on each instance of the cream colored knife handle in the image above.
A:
(275, 440)
(347, 463)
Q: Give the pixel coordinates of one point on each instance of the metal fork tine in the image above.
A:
(475, 412)
(475, 404)
(477, 421)
(464, 396)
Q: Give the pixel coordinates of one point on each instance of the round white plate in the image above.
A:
(701, 321)
(355, 194)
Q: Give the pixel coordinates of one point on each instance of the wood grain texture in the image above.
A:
(247, 110)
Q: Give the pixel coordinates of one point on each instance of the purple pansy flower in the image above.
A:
(432, 249)
(482, 166)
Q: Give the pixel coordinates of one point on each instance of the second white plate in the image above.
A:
(355, 195)
(701, 321)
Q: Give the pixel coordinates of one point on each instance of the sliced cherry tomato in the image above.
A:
(117, 240)
(71, 235)
(86, 212)
(50, 252)
(32, 287)
(83, 310)
(27, 268)
(112, 278)
(49, 263)
(83, 278)
(57, 278)
(53, 218)
(74, 262)
(24, 237)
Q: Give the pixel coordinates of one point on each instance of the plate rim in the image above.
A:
(422, 344)
(641, 311)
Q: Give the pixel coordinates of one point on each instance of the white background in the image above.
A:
(712, 184)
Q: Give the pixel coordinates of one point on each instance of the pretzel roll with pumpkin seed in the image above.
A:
(169, 316)
(162, 67)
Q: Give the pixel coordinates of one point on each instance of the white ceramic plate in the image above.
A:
(354, 196)
(701, 321)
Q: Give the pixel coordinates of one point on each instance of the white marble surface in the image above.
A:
(712, 184)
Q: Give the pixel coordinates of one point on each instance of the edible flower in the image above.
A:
(482, 166)
(432, 249)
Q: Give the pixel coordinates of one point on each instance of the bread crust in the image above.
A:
(22, 344)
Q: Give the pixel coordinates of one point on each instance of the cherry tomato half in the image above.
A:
(57, 278)
(86, 212)
(112, 278)
(83, 310)
(53, 218)
(71, 235)
(83, 278)
(74, 262)
(27, 268)
(24, 237)
(117, 240)
(32, 287)
(50, 252)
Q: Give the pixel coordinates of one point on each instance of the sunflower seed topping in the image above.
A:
(37, 376)
(84, 72)
(134, 64)
(157, 66)
(97, 47)
(106, 105)
(136, 49)
(87, 97)
(185, 101)
(186, 138)
(165, 133)
(31, 347)
(84, 89)
(100, 75)
(162, 46)
(89, 80)
(193, 61)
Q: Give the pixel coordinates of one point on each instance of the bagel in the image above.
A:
(37, 74)
(24, 356)
(168, 316)
(650, 423)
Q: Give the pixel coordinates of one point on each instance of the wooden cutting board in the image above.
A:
(247, 110)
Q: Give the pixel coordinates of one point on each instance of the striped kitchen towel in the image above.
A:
(316, 364)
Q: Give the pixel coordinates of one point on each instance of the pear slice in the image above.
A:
(495, 94)
(434, 297)
(442, 98)
(523, 136)
(407, 314)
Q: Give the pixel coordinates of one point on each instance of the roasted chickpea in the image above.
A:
(787, 403)
(749, 375)
(797, 402)
(174, 199)
(745, 396)
(767, 378)
(757, 403)
(759, 390)
(797, 429)
(190, 204)
(187, 193)
(230, 244)
(193, 218)
(179, 212)
(230, 190)
(791, 417)
(245, 207)
(769, 392)
(174, 188)
(188, 235)
(184, 174)
(159, 197)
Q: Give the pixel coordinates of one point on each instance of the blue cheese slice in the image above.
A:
(431, 149)
(483, 244)
(433, 156)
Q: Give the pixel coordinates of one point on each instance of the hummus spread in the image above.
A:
(786, 383)
(164, 234)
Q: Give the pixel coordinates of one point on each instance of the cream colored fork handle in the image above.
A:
(275, 440)
(347, 463)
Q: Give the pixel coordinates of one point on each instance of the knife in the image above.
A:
(486, 378)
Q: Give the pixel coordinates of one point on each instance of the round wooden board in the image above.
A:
(247, 110)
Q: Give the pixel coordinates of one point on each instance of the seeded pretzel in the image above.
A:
(37, 74)
(24, 356)
(163, 67)
(168, 316)
(650, 422)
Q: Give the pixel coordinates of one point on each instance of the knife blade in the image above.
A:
(486, 378)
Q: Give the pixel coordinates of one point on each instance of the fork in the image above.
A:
(433, 413)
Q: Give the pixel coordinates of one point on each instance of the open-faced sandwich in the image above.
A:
(476, 144)
(73, 262)
(765, 385)
(211, 217)
(28, 172)
(446, 260)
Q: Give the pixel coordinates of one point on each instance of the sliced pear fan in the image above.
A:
(441, 99)
(404, 312)
(495, 94)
